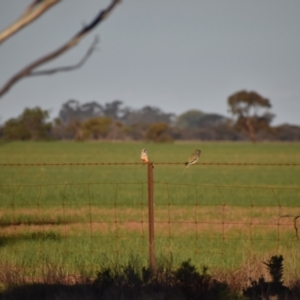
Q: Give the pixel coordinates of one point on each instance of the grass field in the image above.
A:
(79, 218)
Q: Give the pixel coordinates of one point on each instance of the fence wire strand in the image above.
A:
(243, 164)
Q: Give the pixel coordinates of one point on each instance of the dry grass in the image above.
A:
(228, 220)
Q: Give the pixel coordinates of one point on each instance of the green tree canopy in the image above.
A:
(194, 119)
(250, 112)
(157, 132)
(247, 104)
(189, 119)
(97, 127)
(31, 124)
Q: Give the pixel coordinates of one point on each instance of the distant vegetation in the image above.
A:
(251, 119)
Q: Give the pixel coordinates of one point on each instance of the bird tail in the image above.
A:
(187, 164)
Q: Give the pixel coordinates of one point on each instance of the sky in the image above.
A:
(173, 54)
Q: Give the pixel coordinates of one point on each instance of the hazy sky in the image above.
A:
(173, 54)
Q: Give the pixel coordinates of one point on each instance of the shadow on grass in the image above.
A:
(7, 223)
(42, 291)
(130, 282)
(32, 236)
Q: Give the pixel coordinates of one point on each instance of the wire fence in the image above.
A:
(93, 221)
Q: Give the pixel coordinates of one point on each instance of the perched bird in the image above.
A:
(144, 156)
(192, 159)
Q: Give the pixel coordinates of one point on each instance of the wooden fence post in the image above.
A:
(151, 217)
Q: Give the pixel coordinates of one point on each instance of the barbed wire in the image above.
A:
(154, 163)
(155, 182)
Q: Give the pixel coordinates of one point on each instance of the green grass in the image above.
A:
(70, 152)
(84, 217)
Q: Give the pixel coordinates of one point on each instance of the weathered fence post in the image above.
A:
(151, 217)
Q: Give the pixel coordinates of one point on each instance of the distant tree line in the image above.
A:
(251, 119)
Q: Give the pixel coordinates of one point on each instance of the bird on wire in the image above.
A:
(192, 159)
(144, 156)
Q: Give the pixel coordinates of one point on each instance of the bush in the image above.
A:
(184, 283)
(158, 132)
(262, 289)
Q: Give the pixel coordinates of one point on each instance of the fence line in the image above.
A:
(190, 219)
(155, 182)
(154, 163)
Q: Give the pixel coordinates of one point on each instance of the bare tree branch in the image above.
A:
(295, 226)
(89, 52)
(32, 12)
(28, 71)
(295, 223)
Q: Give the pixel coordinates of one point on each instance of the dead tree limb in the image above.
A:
(32, 12)
(295, 226)
(295, 223)
(89, 52)
(28, 70)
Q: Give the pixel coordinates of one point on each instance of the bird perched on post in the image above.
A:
(144, 156)
(192, 159)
